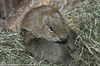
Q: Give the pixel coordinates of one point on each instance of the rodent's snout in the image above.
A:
(61, 39)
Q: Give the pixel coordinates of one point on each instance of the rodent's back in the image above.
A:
(48, 50)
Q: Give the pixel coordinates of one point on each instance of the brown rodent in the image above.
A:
(58, 52)
(46, 22)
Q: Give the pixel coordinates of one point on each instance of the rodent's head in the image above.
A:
(53, 25)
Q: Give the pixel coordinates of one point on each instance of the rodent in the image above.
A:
(46, 22)
(47, 36)
(49, 51)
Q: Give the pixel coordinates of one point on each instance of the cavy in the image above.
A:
(47, 36)
(58, 52)
(46, 22)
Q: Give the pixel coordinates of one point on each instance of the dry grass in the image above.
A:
(85, 19)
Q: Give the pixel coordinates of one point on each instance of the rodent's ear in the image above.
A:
(23, 31)
(45, 19)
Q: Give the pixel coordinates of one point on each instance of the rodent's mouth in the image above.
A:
(64, 41)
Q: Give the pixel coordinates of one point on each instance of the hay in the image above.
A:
(84, 19)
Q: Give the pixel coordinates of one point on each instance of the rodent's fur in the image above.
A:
(50, 51)
(47, 36)
(45, 22)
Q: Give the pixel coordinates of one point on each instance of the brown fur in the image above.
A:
(50, 51)
(47, 36)
(45, 22)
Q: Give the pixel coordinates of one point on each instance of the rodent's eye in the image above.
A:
(51, 29)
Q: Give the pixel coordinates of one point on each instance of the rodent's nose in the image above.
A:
(62, 39)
